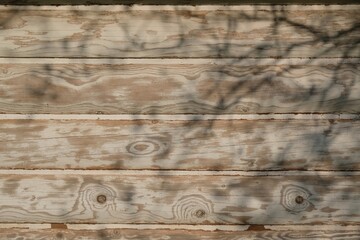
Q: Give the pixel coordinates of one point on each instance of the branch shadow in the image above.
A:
(246, 83)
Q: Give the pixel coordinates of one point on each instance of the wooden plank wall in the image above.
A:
(179, 122)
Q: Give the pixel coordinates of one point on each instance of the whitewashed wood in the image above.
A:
(183, 117)
(131, 234)
(165, 87)
(103, 226)
(205, 228)
(174, 2)
(118, 198)
(165, 173)
(182, 145)
(119, 32)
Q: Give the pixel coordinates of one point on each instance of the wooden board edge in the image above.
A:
(229, 228)
(175, 2)
(181, 6)
(182, 117)
(121, 173)
(64, 231)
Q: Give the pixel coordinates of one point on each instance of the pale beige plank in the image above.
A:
(178, 87)
(132, 234)
(182, 117)
(238, 31)
(55, 197)
(173, 2)
(181, 145)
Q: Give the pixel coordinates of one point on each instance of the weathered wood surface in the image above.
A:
(183, 145)
(172, 2)
(173, 198)
(180, 86)
(170, 31)
(258, 233)
(31, 83)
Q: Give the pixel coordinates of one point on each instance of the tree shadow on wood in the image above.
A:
(244, 83)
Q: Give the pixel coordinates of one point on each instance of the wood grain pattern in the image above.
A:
(183, 145)
(128, 32)
(121, 197)
(130, 60)
(158, 234)
(173, 2)
(201, 86)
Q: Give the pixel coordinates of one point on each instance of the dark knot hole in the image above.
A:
(299, 199)
(200, 213)
(101, 199)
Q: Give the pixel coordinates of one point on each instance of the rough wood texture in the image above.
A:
(202, 145)
(172, 2)
(177, 87)
(48, 65)
(132, 234)
(121, 197)
(143, 31)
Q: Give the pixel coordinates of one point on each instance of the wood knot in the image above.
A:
(192, 208)
(147, 147)
(101, 199)
(299, 199)
(295, 198)
(200, 213)
(98, 196)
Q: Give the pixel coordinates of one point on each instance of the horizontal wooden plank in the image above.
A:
(181, 145)
(183, 117)
(120, 197)
(171, 31)
(173, 2)
(131, 234)
(180, 86)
